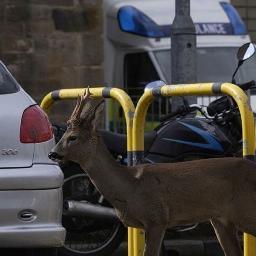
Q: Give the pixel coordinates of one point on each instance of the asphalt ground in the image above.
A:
(121, 251)
(186, 248)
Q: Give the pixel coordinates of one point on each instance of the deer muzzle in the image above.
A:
(55, 156)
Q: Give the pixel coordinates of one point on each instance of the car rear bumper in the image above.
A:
(34, 237)
(38, 176)
(31, 207)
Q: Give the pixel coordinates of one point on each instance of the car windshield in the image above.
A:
(213, 65)
(7, 82)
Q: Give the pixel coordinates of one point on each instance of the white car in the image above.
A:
(30, 183)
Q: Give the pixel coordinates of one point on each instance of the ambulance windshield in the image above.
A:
(213, 65)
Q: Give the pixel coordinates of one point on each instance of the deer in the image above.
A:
(155, 197)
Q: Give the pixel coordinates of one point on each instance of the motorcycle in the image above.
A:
(188, 133)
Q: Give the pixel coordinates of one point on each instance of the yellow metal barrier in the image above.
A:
(105, 92)
(184, 90)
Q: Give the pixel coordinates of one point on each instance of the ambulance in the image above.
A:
(137, 44)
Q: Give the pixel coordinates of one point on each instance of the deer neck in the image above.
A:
(114, 181)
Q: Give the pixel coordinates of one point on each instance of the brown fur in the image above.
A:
(157, 196)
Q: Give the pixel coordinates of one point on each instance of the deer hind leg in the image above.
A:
(227, 236)
(153, 238)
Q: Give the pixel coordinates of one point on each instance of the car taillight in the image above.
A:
(35, 126)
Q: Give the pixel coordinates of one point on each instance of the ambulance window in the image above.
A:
(138, 71)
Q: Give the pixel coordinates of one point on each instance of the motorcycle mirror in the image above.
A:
(245, 52)
(154, 85)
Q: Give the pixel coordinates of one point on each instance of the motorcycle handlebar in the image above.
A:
(215, 107)
(224, 103)
(182, 110)
(172, 114)
(247, 86)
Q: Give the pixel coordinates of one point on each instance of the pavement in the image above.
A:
(121, 251)
(192, 248)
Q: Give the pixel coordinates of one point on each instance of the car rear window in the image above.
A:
(7, 83)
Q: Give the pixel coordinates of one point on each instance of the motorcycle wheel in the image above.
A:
(87, 236)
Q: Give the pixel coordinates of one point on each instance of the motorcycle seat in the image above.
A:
(116, 142)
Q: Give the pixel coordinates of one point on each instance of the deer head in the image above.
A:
(81, 137)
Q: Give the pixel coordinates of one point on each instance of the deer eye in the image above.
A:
(72, 138)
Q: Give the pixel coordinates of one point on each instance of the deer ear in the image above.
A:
(98, 116)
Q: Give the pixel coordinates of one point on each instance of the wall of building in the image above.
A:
(247, 9)
(51, 44)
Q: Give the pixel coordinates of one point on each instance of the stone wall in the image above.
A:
(51, 44)
(247, 9)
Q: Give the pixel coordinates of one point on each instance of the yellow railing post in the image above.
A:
(106, 92)
(195, 89)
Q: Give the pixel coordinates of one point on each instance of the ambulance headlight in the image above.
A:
(133, 21)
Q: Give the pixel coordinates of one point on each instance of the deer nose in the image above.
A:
(55, 156)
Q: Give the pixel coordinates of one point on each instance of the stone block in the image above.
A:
(252, 13)
(64, 50)
(9, 58)
(66, 3)
(16, 29)
(252, 25)
(91, 3)
(251, 3)
(44, 27)
(253, 35)
(82, 18)
(39, 66)
(15, 70)
(17, 13)
(25, 66)
(75, 49)
(16, 44)
(21, 68)
(2, 8)
(40, 42)
(70, 20)
(40, 13)
(92, 49)
(95, 19)
(38, 88)
(239, 3)
(15, 2)
(81, 76)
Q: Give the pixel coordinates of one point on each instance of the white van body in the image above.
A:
(220, 31)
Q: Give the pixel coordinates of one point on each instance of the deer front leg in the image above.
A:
(227, 236)
(153, 238)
